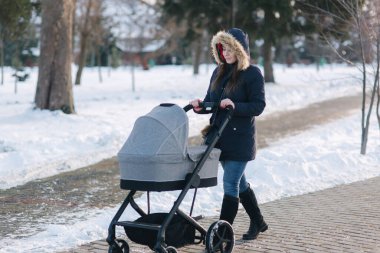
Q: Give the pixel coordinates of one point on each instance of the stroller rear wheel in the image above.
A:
(120, 246)
(220, 237)
(171, 249)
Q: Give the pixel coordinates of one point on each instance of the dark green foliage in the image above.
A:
(268, 19)
(197, 15)
(217, 15)
(14, 17)
(262, 19)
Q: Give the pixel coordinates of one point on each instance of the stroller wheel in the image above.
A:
(120, 247)
(220, 237)
(171, 249)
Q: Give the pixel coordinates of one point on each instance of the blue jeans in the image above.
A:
(234, 181)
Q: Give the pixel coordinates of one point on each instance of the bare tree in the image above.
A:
(365, 23)
(376, 30)
(54, 87)
(84, 35)
(193, 21)
(138, 32)
(99, 31)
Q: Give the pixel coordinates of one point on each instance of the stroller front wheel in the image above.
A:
(171, 249)
(120, 246)
(220, 237)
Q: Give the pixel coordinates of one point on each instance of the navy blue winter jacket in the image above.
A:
(237, 141)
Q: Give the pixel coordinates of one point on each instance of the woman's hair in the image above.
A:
(232, 82)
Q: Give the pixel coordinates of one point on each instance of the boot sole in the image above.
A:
(263, 229)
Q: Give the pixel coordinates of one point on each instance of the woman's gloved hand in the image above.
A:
(195, 104)
(226, 102)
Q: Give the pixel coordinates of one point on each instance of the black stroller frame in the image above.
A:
(219, 236)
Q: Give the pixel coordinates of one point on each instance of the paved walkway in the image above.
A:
(345, 219)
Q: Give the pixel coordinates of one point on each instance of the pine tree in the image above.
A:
(14, 19)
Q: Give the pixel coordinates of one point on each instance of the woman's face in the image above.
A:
(229, 55)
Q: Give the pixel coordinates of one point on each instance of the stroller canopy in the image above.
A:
(155, 157)
(161, 132)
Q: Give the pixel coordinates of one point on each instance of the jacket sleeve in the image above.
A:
(254, 88)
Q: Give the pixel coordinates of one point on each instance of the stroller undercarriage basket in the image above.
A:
(178, 233)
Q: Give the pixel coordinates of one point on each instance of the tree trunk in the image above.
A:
(366, 118)
(378, 104)
(2, 66)
(2, 60)
(378, 70)
(82, 58)
(269, 20)
(99, 63)
(84, 37)
(133, 73)
(15, 74)
(54, 86)
(73, 30)
(267, 55)
(197, 55)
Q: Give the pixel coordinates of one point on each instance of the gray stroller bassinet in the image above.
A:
(156, 156)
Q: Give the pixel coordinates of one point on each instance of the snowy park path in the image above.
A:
(62, 198)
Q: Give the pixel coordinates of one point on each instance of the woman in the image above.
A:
(237, 83)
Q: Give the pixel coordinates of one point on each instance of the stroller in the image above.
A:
(156, 158)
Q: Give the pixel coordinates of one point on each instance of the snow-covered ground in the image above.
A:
(36, 144)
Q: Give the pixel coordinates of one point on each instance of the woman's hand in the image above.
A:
(195, 104)
(226, 102)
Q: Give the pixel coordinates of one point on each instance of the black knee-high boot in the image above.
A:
(229, 210)
(257, 223)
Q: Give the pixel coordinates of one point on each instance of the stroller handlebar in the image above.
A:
(230, 108)
(207, 107)
(188, 107)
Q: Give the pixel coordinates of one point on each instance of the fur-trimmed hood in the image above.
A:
(237, 40)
